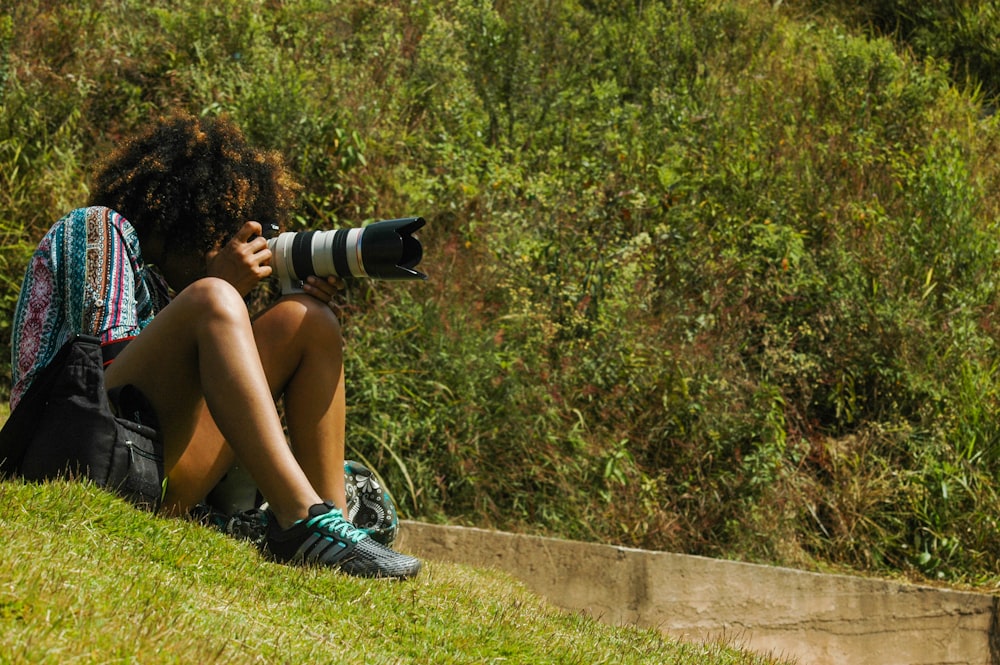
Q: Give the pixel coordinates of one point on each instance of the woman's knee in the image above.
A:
(323, 319)
(305, 318)
(213, 299)
(296, 333)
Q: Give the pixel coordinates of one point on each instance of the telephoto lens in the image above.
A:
(380, 250)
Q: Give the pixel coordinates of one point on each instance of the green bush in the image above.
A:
(704, 277)
(963, 33)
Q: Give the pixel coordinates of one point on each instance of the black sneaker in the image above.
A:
(326, 538)
(249, 525)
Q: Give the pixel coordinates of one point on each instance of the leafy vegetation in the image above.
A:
(964, 34)
(712, 276)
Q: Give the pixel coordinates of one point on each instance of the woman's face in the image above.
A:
(182, 268)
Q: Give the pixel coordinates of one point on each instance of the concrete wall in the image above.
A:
(813, 618)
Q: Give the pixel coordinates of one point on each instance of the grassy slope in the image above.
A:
(86, 578)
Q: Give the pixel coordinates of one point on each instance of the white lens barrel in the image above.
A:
(281, 254)
(353, 250)
(393, 252)
(281, 262)
(322, 252)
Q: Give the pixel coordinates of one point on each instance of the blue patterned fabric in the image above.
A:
(87, 277)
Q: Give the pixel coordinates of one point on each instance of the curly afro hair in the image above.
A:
(194, 182)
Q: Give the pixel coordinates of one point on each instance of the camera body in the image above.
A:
(381, 250)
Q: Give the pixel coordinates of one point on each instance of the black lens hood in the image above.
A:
(388, 249)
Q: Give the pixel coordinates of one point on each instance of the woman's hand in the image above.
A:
(323, 289)
(243, 261)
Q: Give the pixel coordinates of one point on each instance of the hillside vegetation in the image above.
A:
(709, 276)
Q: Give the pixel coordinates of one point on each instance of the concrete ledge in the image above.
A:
(817, 619)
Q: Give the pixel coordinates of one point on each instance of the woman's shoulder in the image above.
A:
(97, 219)
(103, 216)
(98, 216)
(88, 227)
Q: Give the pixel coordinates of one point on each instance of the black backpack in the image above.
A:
(68, 425)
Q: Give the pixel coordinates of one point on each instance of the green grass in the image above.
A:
(87, 578)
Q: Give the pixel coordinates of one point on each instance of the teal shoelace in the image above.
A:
(334, 521)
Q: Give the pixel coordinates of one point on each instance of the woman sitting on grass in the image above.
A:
(195, 197)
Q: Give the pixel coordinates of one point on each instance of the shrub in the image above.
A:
(697, 269)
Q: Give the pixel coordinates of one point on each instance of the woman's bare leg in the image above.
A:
(202, 347)
(302, 351)
(204, 462)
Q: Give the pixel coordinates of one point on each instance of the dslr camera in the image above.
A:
(381, 250)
